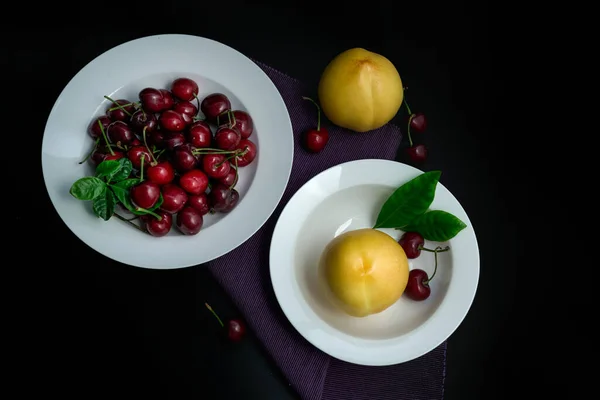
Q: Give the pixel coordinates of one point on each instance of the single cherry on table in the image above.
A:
(235, 328)
(418, 123)
(315, 140)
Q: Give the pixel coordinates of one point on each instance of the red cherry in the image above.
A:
(315, 140)
(194, 181)
(184, 89)
(249, 149)
(199, 134)
(417, 154)
(412, 243)
(418, 122)
(156, 227)
(235, 330)
(161, 173)
(417, 287)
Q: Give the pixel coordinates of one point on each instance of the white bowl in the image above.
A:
(348, 197)
(155, 61)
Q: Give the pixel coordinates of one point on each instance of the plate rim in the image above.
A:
(284, 170)
(459, 315)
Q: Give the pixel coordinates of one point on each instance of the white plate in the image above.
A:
(348, 197)
(156, 61)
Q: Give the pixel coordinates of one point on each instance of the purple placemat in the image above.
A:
(244, 274)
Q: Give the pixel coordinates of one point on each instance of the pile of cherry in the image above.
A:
(182, 147)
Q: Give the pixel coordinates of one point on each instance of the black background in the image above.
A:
(92, 326)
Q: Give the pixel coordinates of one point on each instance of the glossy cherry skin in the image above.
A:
(171, 140)
(116, 156)
(412, 242)
(120, 114)
(416, 288)
(152, 100)
(249, 155)
(230, 178)
(141, 119)
(227, 138)
(156, 227)
(243, 123)
(215, 165)
(315, 140)
(120, 132)
(161, 173)
(194, 182)
(145, 194)
(234, 197)
(171, 121)
(168, 100)
(174, 198)
(183, 159)
(418, 123)
(199, 202)
(189, 221)
(220, 197)
(235, 330)
(94, 128)
(135, 154)
(184, 89)
(156, 138)
(417, 154)
(187, 110)
(199, 134)
(214, 105)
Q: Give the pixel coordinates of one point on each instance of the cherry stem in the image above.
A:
(143, 156)
(407, 107)
(146, 144)
(235, 180)
(160, 153)
(155, 215)
(318, 111)
(230, 115)
(119, 106)
(408, 130)
(129, 222)
(435, 252)
(236, 155)
(215, 314)
(91, 152)
(208, 150)
(106, 138)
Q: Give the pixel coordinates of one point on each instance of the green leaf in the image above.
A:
(124, 172)
(114, 170)
(88, 188)
(122, 194)
(436, 225)
(408, 201)
(158, 203)
(106, 169)
(127, 183)
(104, 206)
